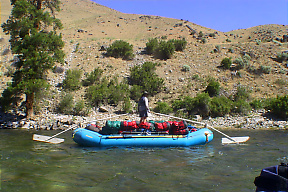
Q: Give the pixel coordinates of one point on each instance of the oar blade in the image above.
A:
(235, 140)
(47, 139)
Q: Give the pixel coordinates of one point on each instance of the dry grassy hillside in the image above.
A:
(88, 26)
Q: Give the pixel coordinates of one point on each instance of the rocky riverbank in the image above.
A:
(51, 121)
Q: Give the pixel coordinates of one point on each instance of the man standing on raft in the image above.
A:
(143, 108)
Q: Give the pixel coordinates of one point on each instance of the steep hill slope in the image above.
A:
(88, 26)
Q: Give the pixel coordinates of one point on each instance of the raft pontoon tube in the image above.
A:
(85, 137)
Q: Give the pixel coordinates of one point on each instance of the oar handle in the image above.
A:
(188, 120)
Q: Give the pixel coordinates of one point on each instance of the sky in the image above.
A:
(222, 15)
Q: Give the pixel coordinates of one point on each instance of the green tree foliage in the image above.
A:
(282, 57)
(213, 88)
(180, 44)
(34, 41)
(242, 94)
(151, 46)
(163, 107)
(279, 106)
(120, 49)
(72, 81)
(98, 93)
(226, 62)
(241, 106)
(66, 104)
(197, 105)
(165, 50)
(127, 106)
(107, 92)
(93, 77)
(220, 106)
(146, 77)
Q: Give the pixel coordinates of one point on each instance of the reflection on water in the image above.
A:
(28, 165)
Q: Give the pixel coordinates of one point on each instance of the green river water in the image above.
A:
(28, 165)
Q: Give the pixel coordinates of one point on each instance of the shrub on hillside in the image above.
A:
(279, 106)
(98, 93)
(127, 106)
(66, 104)
(226, 62)
(242, 93)
(264, 69)
(163, 107)
(93, 77)
(220, 106)
(80, 109)
(151, 46)
(282, 57)
(120, 49)
(258, 104)
(165, 50)
(180, 44)
(136, 92)
(241, 106)
(72, 80)
(107, 92)
(186, 68)
(197, 105)
(213, 88)
(146, 77)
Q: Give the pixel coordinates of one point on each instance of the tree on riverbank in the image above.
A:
(36, 45)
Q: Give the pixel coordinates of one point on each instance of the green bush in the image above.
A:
(127, 106)
(226, 62)
(163, 107)
(279, 106)
(107, 92)
(98, 93)
(241, 107)
(242, 62)
(264, 69)
(165, 50)
(120, 49)
(80, 109)
(242, 93)
(151, 46)
(72, 80)
(185, 68)
(213, 88)
(200, 34)
(220, 106)
(136, 92)
(258, 104)
(197, 105)
(93, 77)
(180, 44)
(146, 77)
(117, 91)
(282, 57)
(66, 104)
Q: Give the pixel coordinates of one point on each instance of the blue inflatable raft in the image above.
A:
(85, 137)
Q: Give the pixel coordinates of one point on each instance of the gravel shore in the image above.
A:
(50, 121)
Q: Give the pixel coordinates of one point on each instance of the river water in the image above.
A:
(28, 165)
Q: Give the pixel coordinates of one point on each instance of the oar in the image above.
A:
(227, 140)
(55, 140)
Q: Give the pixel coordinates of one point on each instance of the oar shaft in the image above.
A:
(188, 120)
(84, 122)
